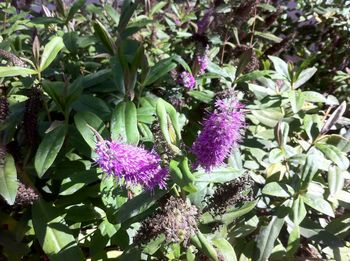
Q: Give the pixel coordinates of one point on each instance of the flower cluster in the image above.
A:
(187, 80)
(221, 131)
(177, 219)
(203, 62)
(26, 196)
(230, 193)
(133, 164)
(4, 108)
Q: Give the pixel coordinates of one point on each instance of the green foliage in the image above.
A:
(108, 71)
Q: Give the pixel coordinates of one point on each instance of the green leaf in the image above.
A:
(252, 76)
(138, 205)
(218, 175)
(310, 126)
(309, 170)
(48, 150)
(311, 96)
(333, 119)
(335, 181)
(53, 234)
(75, 7)
(269, 36)
(296, 99)
(182, 175)
(205, 96)
(293, 241)
(50, 52)
(267, 237)
(159, 70)
(298, 210)
(124, 123)
(106, 39)
(8, 179)
(169, 124)
(268, 117)
(82, 120)
(112, 13)
(304, 76)
(278, 189)
(244, 59)
(77, 181)
(280, 66)
(112, 197)
(127, 11)
(225, 249)
(9, 71)
(318, 204)
(154, 245)
(203, 244)
(334, 154)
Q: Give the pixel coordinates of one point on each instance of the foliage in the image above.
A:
(73, 76)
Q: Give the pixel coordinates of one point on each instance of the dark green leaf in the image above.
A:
(53, 234)
(82, 120)
(48, 149)
(8, 179)
(159, 70)
(124, 123)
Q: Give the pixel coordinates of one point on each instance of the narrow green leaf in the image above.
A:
(269, 36)
(280, 66)
(82, 120)
(48, 150)
(169, 123)
(334, 154)
(75, 7)
(106, 39)
(124, 123)
(201, 242)
(267, 237)
(296, 99)
(53, 233)
(50, 52)
(333, 119)
(138, 205)
(9, 71)
(244, 59)
(8, 180)
(293, 241)
(304, 76)
(298, 210)
(318, 204)
(159, 70)
(335, 181)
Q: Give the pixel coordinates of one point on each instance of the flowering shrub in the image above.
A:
(172, 130)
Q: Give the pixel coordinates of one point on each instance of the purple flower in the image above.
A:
(187, 80)
(133, 164)
(204, 22)
(221, 131)
(202, 61)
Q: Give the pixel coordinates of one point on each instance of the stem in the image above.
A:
(253, 29)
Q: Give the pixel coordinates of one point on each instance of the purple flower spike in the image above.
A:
(187, 80)
(134, 164)
(204, 22)
(203, 62)
(221, 131)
